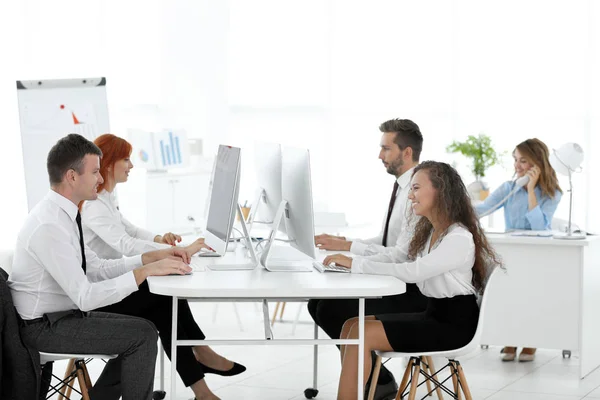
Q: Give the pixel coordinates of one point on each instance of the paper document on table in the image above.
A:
(532, 233)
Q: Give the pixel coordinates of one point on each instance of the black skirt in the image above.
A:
(447, 324)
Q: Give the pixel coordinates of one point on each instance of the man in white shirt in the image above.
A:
(401, 145)
(56, 280)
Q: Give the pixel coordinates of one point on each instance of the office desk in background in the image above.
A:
(549, 297)
(260, 284)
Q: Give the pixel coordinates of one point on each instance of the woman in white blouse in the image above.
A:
(105, 229)
(110, 235)
(447, 257)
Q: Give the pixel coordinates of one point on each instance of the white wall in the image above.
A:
(320, 74)
(513, 70)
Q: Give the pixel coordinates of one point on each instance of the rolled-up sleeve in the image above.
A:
(540, 217)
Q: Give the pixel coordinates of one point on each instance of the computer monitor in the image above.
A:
(297, 192)
(267, 161)
(223, 198)
(296, 213)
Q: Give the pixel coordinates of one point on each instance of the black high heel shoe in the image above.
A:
(235, 370)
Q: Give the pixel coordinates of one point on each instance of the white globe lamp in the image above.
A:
(566, 160)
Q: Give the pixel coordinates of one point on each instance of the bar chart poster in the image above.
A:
(171, 149)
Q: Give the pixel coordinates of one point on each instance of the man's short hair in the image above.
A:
(407, 135)
(68, 153)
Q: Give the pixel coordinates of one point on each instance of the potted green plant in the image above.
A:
(480, 150)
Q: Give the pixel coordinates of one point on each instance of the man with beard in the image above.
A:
(401, 145)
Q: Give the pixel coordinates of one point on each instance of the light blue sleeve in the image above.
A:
(540, 218)
(493, 199)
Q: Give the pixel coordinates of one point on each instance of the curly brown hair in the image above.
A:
(536, 152)
(453, 205)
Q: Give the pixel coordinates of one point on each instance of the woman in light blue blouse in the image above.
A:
(531, 207)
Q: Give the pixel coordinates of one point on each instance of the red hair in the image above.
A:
(113, 149)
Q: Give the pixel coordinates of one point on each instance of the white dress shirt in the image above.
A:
(109, 234)
(445, 271)
(398, 221)
(47, 276)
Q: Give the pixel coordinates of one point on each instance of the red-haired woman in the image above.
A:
(106, 230)
(110, 235)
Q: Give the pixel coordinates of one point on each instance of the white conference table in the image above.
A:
(261, 285)
(549, 297)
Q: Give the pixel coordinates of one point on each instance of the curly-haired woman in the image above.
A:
(449, 259)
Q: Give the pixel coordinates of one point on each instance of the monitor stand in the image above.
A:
(282, 264)
(239, 259)
(260, 198)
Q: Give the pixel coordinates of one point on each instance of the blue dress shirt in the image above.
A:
(516, 209)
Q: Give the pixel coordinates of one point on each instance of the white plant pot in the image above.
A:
(478, 190)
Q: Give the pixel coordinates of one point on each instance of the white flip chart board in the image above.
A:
(51, 109)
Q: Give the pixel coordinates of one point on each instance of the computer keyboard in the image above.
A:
(196, 265)
(278, 265)
(329, 268)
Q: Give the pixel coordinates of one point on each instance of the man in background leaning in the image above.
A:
(401, 144)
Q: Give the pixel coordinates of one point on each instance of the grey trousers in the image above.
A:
(130, 375)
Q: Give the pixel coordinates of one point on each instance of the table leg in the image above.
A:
(174, 348)
(268, 331)
(361, 347)
(315, 357)
(162, 367)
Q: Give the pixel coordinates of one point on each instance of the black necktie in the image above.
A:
(389, 214)
(78, 219)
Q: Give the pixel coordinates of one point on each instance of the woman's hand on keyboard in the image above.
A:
(338, 259)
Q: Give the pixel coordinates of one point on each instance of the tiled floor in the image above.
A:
(283, 372)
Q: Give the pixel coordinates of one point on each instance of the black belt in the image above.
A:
(32, 321)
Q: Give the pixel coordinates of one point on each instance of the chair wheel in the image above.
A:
(159, 395)
(311, 393)
(566, 353)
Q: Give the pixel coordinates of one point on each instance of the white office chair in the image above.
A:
(73, 371)
(410, 380)
(76, 369)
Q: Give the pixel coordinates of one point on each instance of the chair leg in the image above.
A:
(463, 383)
(428, 371)
(82, 384)
(415, 380)
(374, 378)
(86, 375)
(65, 391)
(282, 309)
(300, 307)
(404, 382)
(237, 317)
(454, 373)
(434, 375)
(275, 313)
